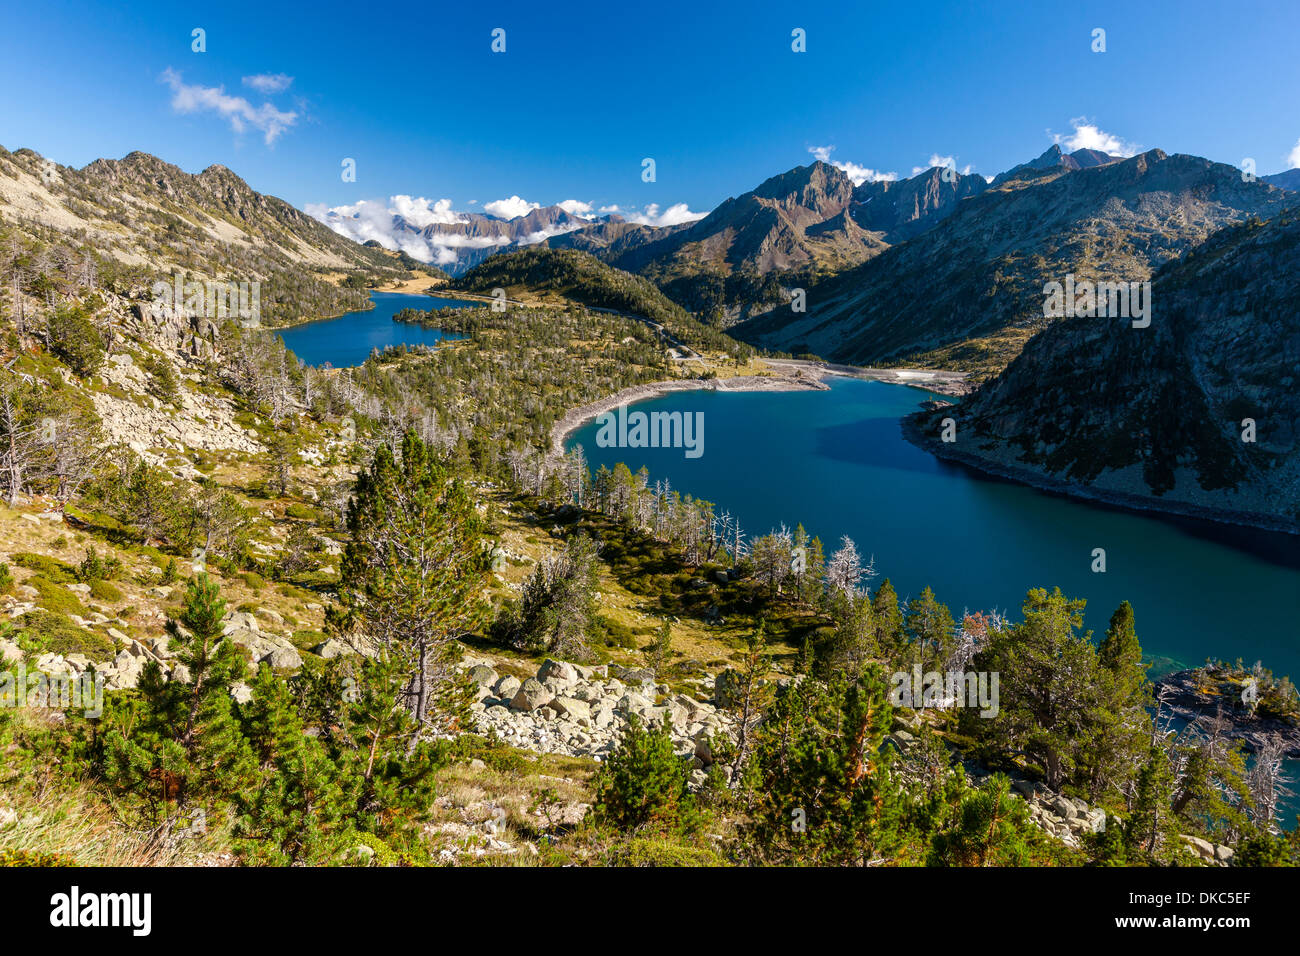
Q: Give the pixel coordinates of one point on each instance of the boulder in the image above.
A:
(633, 703)
(331, 648)
(483, 675)
(240, 619)
(506, 687)
(284, 659)
(572, 708)
(726, 688)
(1202, 848)
(531, 695)
(559, 672)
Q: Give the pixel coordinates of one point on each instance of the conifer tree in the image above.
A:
(181, 743)
(992, 828)
(1052, 699)
(642, 786)
(931, 631)
(825, 793)
(890, 639)
(1151, 830)
(412, 574)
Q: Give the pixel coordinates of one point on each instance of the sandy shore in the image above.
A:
(576, 417)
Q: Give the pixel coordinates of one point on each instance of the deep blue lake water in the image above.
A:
(837, 462)
(349, 338)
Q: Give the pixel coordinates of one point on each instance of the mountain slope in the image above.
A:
(968, 293)
(1156, 416)
(154, 219)
(1290, 179)
(796, 227)
(1054, 159)
(905, 208)
(581, 277)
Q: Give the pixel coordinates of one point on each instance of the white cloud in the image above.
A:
(858, 174)
(575, 207)
(510, 208)
(606, 210)
(268, 83)
(366, 220)
(672, 216)
(941, 161)
(541, 235)
(423, 212)
(241, 114)
(1089, 136)
(1293, 157)
(861, 174)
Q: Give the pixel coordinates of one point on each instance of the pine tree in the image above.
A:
(412, 574)
(1121, 654)
(931, 630)
(1122, 730)
(825, 793)
(1151, 830)
(992, 828)
(182, 743)
(642, 786)
(1052, 699)
(890, 639)
(656, 653)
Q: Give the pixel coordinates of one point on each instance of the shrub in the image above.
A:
(170, 573)
(612, 633)
(163, 384)
(642, 786)
(55, 597)
(47, 632)
(106, 591)
(6, 579)
(75, 340)
(95, 568)
(657, 852)
(50, 568)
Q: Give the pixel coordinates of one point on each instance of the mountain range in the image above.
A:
(967, 293)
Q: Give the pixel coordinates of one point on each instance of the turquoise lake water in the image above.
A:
(349, 338)
(837, 462)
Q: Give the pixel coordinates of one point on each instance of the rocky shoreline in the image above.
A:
(1187, 701)
(576, 417)
(943, 382)
(1043, 482)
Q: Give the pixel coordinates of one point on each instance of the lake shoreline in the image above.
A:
(575, 418)
(1120, 499)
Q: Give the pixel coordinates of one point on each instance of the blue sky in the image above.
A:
(584, 92)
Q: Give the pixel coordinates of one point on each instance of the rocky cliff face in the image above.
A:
(906, 208)
(1199, 412)
(968, 293)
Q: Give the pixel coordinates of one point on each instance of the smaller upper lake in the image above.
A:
(350, 338)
